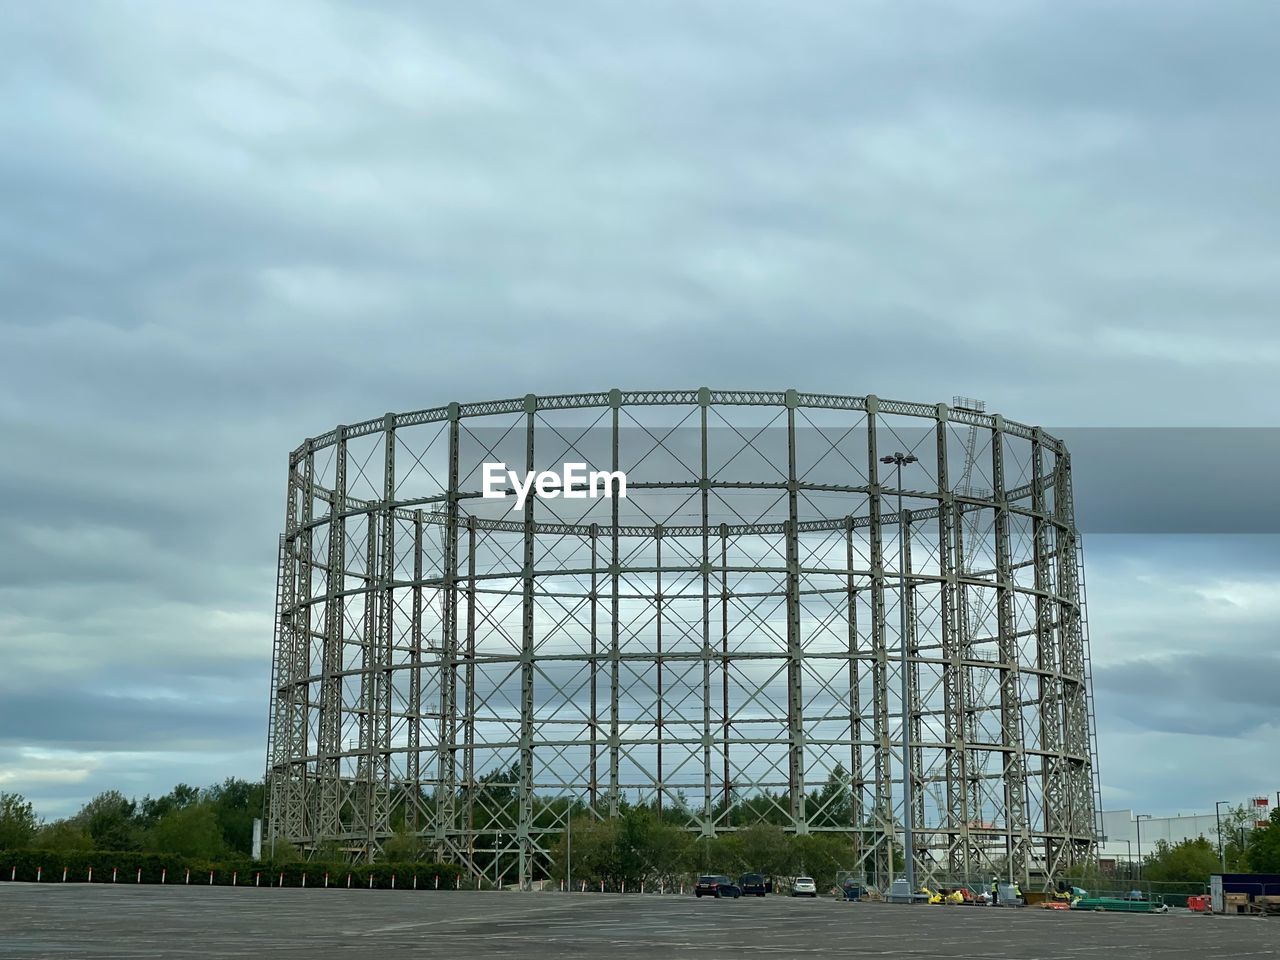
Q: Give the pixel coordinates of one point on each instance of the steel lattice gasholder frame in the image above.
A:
(728, 631)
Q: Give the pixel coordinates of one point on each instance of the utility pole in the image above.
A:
(1138, 819)
(1222, 847)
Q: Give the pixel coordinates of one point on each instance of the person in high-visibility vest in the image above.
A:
(1017, 891)
(995, 892)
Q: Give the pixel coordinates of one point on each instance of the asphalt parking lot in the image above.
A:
(77, 920)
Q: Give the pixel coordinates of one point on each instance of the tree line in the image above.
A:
(208, 824)
(641, 845)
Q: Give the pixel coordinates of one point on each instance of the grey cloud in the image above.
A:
(87, 720)
(1187, 693)
(231, 228)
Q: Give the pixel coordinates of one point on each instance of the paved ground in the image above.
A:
(104, 921)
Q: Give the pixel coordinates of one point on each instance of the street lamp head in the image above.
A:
(900, 458)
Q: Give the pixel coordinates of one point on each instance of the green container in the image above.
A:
(1116, 905)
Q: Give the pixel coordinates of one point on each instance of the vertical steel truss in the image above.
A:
(437, 668)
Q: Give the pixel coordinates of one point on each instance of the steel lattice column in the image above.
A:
(329, 746)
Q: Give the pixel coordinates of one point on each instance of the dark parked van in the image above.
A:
(755, 884)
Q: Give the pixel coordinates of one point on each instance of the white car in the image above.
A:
(804, 887)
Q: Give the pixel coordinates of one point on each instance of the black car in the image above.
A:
(755, 884)
(716, 885)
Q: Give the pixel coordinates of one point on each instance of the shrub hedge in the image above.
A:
(129, 866)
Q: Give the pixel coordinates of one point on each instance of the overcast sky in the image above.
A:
(227, 227)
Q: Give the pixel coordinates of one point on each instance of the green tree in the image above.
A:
(722, 853)
(832, 806)
(823, 855)
(1188, 861)
(110, 820)
(766, 848)
(1232, 838)
(1264, 846)
(325, 851)
(190, 831)
(637, 846)
(495, 800)
(17, 821)
(594, 850)
(282, 851)
(404, 846)
(236, 804)
(151, 809)
(657, 848)
(761, 807)
(63, 836)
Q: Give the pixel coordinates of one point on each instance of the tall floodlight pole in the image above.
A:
(1138, 819)
(908, 847)
(1222, 848)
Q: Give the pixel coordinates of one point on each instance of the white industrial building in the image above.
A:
(1122, 842)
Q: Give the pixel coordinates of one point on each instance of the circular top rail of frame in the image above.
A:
(657, 398)
(354, 506)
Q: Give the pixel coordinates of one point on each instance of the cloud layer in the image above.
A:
(231, 227)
